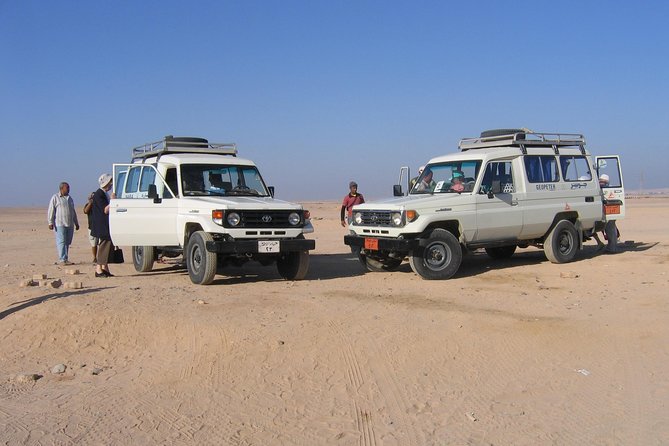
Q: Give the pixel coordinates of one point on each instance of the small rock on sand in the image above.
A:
(58, 369)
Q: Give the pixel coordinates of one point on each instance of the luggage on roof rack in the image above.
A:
(522, 138)
(182, 144)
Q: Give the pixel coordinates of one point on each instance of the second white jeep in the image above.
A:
(503, 190)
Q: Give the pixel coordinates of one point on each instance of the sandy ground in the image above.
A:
(514, 352)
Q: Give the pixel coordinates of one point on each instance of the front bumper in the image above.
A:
(251, 246)
(384, 244)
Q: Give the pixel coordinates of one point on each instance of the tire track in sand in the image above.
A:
(355, 376)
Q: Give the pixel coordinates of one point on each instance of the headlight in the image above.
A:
(396, 218)
(233, 219)
(357, 218)
(294, 218)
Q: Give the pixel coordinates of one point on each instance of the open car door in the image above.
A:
(613, 194)
(144, 211)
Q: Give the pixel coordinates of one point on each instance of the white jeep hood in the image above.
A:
(413, 201)
(255, 203)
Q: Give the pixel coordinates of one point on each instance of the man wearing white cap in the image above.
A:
(100, 225)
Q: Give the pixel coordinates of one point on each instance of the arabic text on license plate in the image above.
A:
(269, 246)
(612, 209)
(372, 243)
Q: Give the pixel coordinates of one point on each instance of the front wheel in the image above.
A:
(293, 265)
(201, 263)
(143, 258)
(562, 242)
(438, 256)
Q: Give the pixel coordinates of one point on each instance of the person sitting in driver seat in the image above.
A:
(216, 182)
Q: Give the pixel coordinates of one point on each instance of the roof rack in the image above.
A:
(172, 144)
(524, 139)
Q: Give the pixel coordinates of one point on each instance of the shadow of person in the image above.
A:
(22, 305)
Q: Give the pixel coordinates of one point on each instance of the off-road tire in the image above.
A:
(562, 242)
(293, 265)
(379, 266)
(143, 258)
(437, 257)
(201, 263)
(501, 252)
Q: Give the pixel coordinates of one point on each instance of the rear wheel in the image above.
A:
(143, 258)
(293, 265)
(438, 256)
(561, 244)
(201, 263)
(501, 252)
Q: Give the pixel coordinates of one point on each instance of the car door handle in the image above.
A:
(121, 210)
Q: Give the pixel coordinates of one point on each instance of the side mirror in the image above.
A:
(153, 194)
(271, 191)
(397, 190)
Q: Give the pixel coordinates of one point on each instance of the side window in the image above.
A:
(541, 169)
(120, 172)
(148, 177)
(498, 178)
(137, 180)
(172, 183)
(132, 184)
(575, 168)
(610, 167)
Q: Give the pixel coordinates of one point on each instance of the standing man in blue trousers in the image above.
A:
(62, 218)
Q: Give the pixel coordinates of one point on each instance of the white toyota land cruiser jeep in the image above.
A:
(187, 196)
(508, 188)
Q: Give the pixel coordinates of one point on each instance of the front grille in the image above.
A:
(376, 218)
(266, 219)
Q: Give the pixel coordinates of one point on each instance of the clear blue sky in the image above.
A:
(322, 92)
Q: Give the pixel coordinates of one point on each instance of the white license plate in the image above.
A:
(269, 246)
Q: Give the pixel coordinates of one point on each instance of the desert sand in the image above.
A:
(513, 352)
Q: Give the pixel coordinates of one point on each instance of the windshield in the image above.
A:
(450, 177)
(220, 180)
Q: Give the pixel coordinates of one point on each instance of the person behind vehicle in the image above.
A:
(457, 182)
(426, 184)
(414, 180)
(62, 219)
(350, 200)
(100, 220)
(610, 229)
(88, 210)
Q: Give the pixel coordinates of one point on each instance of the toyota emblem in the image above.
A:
(266, 218)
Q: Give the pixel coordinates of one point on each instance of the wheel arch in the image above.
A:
(189, 229)
(571, 216)
(452, 226)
